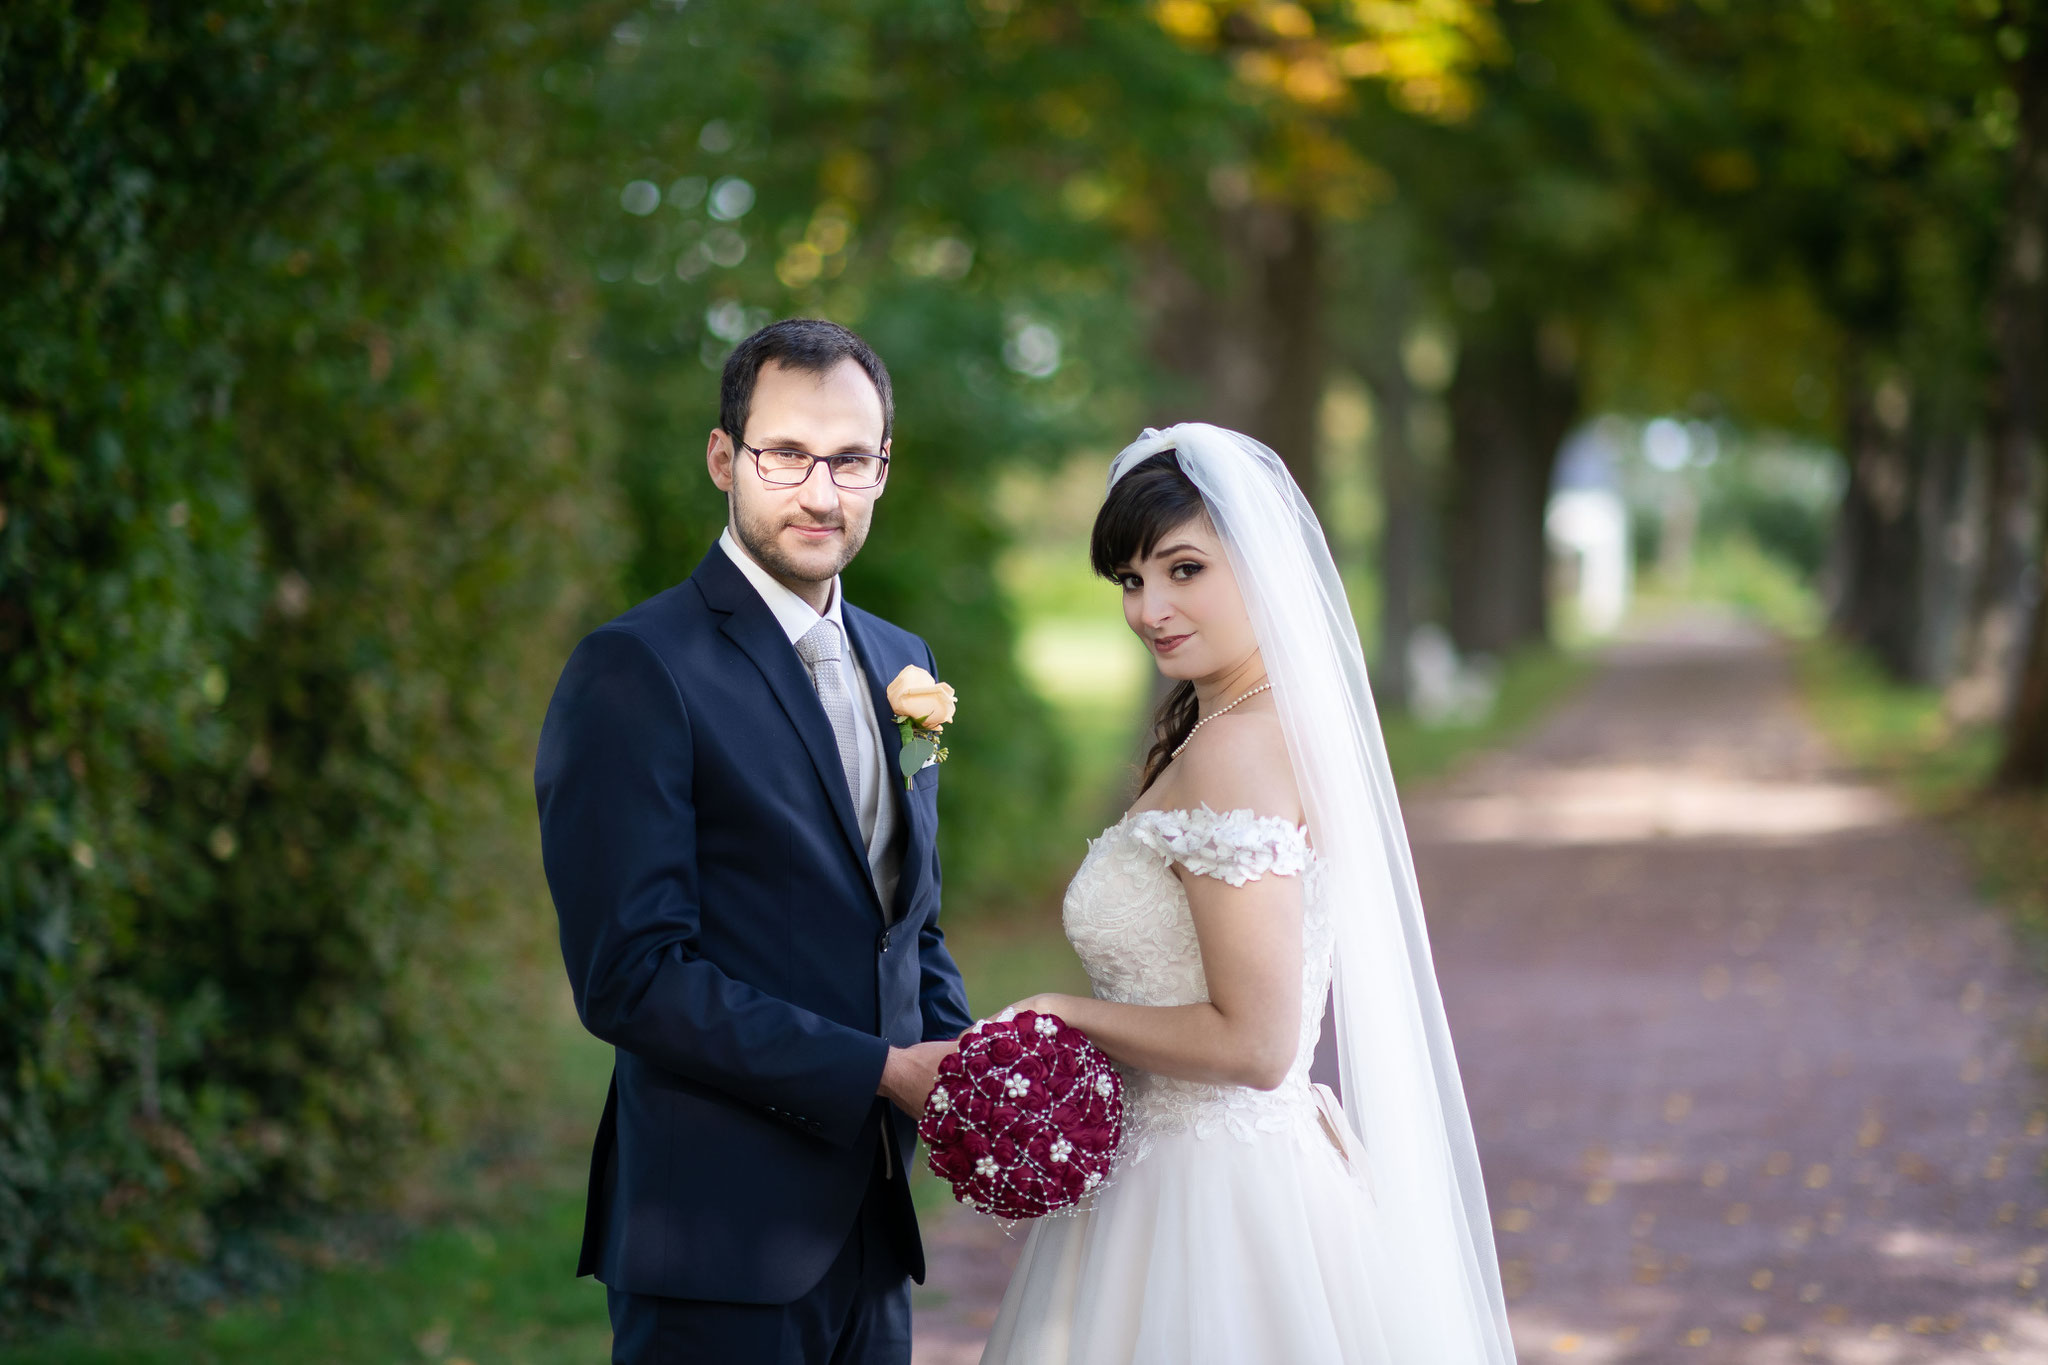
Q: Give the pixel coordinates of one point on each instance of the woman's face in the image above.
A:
(1182, 601)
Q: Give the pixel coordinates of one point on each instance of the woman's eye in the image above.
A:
(1185, 570)
(1130, 582)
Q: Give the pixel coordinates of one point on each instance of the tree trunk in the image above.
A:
(1948, 458)
(1372, 274)
(2022, 314)
(1291, 313)
(1877, 530)
(2025, 761)
(1509, 412)
(1251, 344)
(1404, 508)
(1994, 629)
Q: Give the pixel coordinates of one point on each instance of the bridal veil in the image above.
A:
(1401, 1092)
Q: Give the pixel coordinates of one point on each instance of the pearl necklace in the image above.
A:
(1262, 687)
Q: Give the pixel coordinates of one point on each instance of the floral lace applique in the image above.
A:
(1234, 846)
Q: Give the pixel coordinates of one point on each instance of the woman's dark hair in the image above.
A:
(1151, 500)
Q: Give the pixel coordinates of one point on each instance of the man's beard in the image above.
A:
(757, 537)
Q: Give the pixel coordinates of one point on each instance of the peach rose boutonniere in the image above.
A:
(922, 706)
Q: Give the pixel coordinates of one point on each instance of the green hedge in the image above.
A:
(339, 391)
(291, 485)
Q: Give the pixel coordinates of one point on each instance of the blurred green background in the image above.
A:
(358, 357)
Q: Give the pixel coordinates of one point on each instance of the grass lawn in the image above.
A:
(1901, 733)
(493, 1287)
(486, 1276)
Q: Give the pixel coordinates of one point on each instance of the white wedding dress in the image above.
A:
(1234, 1228)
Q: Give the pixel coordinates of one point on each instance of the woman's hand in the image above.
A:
(1037, 1004)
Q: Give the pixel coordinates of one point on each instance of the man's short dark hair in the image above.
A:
(811, 345)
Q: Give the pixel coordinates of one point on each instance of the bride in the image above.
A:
(1251, 1217)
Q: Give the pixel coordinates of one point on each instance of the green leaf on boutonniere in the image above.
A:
(917, 751)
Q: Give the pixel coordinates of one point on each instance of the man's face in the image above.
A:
(806, 534)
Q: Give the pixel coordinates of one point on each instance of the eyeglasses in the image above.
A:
(788, 468)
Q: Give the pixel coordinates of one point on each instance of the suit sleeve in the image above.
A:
(942, 995)
(618, 840)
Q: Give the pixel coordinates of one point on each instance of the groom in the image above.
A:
(749, 901)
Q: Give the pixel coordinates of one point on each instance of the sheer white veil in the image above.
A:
(1400, 1080)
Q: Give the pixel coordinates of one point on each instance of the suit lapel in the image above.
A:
(753, 627)
(880, 671)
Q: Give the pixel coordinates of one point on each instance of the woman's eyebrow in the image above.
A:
(1175, 549)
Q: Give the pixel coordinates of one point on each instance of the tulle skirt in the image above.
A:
(1207, 1251)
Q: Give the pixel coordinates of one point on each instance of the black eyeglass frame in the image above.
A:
(756, 452)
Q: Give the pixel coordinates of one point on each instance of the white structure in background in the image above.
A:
(1587, 525)
(1670, 446)
(1444, 689)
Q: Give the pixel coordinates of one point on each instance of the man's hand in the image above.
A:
(910, 1073)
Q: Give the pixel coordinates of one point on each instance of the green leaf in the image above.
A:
(915, 754)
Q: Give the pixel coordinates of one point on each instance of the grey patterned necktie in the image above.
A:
(821, 650)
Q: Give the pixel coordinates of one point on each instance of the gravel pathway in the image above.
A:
(1750, 1065)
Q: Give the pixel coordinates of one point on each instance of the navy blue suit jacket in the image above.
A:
(722, 931)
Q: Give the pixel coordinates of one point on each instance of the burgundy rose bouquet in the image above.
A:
(1025, 1118)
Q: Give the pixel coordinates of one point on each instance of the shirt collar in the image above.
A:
(792, 613)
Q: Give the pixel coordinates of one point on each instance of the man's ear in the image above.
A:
(718, 458)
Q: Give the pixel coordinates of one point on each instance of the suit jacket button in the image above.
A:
(883, 944)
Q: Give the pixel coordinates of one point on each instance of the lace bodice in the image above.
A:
(1127, 916)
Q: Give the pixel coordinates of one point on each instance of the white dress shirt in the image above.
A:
(875, 807)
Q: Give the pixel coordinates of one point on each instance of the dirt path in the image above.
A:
(1748, 1062)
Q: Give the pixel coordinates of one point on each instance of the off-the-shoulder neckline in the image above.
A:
(1205, 809)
